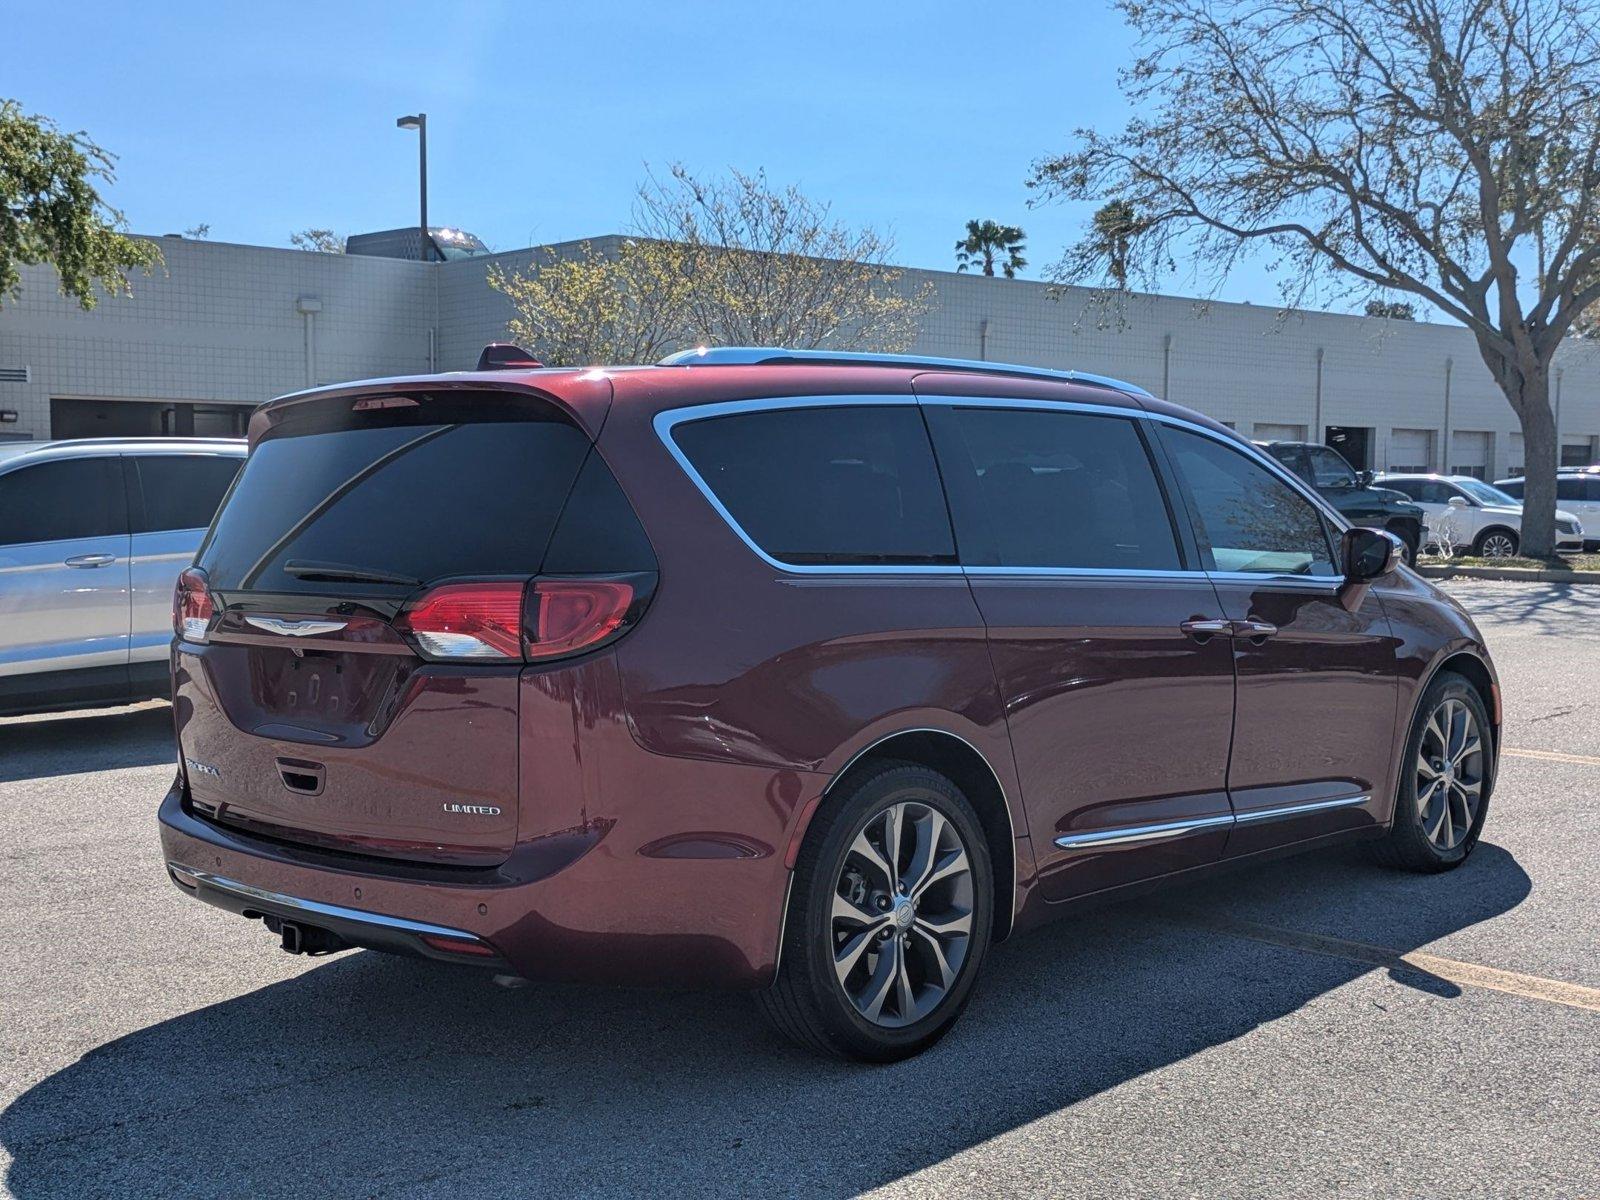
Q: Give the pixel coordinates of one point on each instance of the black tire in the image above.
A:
(1408, 844)
(1496, 531)
(808, 1002)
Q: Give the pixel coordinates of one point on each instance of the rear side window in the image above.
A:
(417, 493)
(1572, 489)
(181, 491)
(1247, 518)
(62, 501)
(1053, 489)
(853, 485)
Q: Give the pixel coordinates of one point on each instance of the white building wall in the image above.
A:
(220, 322)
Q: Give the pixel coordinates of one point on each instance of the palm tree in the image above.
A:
(986, 241)
(1115, 225)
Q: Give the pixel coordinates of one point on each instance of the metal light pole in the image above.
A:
(420, 124)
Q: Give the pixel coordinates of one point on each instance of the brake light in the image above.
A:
(565, 615)
(467, 620)
(192, 606)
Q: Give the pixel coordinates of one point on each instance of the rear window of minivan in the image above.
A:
(420, 492)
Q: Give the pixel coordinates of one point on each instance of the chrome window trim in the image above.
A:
(246, 891)
(1127, 835)
(668, 419)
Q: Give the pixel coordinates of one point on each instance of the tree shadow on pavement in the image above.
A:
(43, 746)
(367, 1075)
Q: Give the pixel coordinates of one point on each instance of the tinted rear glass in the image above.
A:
(396, 493)
(60, 501)
(182, 491)
(851, 485)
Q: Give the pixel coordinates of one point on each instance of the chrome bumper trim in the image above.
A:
(1133, 834)
(315, 908)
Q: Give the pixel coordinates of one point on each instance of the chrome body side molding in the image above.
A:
(1128, 835)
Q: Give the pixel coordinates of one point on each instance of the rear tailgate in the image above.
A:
(306, 713)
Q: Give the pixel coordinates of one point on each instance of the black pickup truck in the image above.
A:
(1351, 491)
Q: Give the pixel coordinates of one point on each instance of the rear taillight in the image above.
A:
(513, 621)
(565, 615)
(192, 606)
(467, 620)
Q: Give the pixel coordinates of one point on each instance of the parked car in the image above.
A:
(1476, 517)
(1577, 492)
(810, 674)
(93, 534)
(1351, 491)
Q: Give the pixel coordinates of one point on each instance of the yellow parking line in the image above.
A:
(1462, 974)
(1587, 760)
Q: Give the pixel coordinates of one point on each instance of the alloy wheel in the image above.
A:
(901, 921)
(1450, 769)
(1498, 545)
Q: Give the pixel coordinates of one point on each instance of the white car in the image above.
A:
(1468, 515)
(1578, 491)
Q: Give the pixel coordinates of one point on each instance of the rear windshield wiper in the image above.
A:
(343, 573)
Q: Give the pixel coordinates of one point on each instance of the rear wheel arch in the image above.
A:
(964, 765)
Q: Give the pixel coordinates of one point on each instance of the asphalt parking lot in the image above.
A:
(1257, 1035)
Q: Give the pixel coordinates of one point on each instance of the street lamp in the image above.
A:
(420, 124)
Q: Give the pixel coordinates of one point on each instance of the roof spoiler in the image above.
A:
(506, 356)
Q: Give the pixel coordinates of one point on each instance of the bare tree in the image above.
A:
(319, 241)
(1445, 149)
(599, 307)
(732, 261)
(771, 267)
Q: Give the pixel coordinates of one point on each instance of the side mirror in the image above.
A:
(1364, 478)
(1371, 553)
(1458, 502)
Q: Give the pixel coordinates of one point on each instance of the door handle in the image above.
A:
(1256, 631)
(90, 560)
(1203, 629)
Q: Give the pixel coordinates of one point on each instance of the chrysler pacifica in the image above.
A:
(803, 673)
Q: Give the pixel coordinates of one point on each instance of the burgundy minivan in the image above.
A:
(804, 672)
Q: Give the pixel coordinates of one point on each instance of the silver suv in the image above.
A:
(93, 534)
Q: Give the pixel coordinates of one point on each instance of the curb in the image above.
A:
(1515, 574)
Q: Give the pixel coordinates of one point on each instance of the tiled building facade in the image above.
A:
(222, 327)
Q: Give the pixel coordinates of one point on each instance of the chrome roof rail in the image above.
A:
(727, 356)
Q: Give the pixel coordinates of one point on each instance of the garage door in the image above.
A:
(1470, 453)
(1411, 450)
(1279, 433)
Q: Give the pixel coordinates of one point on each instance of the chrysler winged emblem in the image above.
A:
(295, 628)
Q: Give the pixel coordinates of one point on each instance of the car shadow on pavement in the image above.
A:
(42, 746)
(366, 1075)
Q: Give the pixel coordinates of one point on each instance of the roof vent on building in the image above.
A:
(506, 356)
(16, 375)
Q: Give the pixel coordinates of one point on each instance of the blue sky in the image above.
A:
(262, 119)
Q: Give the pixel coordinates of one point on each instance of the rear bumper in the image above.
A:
(353, 927)
(568, 907)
